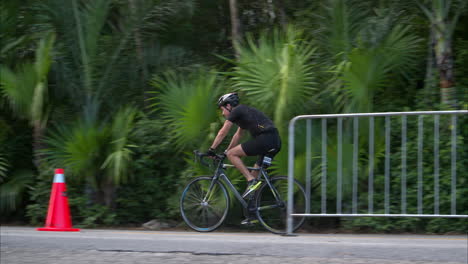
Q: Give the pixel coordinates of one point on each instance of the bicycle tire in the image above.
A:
(204, 216)
(273, 216)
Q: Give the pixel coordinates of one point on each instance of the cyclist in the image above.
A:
(265, 142)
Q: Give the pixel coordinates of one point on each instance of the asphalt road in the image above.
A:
(21, 245)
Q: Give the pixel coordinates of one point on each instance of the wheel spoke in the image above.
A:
(266, 207)
(194, 197)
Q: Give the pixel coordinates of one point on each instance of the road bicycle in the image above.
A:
(205, 200)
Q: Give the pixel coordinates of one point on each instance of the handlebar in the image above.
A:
(217, 158)
(202, 156)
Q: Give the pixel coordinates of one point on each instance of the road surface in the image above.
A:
(21, 245)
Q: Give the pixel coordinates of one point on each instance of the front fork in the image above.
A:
(213, 182)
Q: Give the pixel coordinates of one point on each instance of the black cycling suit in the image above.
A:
(266, 140)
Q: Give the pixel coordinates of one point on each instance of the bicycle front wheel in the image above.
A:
(204, 204)
(272, 207)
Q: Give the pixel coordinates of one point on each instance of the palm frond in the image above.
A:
(362, 78)
(278, 70)
(152, 17)
(12, 190)
(18, 88)
(4, 166)
(118, 161)
(159, 17)
(95, 17)
(78, 148)
(42, 66)
(337, 28)
(44, 56)
(187, 105)
(93, 150)
(402, 49)
(385, 50)
(26, 89)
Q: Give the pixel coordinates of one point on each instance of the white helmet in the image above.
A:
(230, 98)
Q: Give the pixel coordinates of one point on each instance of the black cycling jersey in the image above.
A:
(251, 119)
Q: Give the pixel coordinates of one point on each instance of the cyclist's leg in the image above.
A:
(250, 212)
(255, 172)
(234, 155)
(268, 144)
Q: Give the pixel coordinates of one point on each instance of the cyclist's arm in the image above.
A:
(221, 134)
(235, 139)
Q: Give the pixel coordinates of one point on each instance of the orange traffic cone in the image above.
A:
(58, 215)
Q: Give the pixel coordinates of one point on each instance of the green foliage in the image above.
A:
(78, 148)
(337, 26)
(84, 212)
(157, 179)
(277, 69)
(379, 49)
(84, 69)
(39, 194)
(88, 215)
(118, 161)
(99, 152)
(4, 165)
(26, 90)
(461, 71)
(16, 171)
(13, 189)
(182, 101)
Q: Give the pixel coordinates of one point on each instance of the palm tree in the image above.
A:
(26, 89)
(98, 152)
(362, 49)
(369, 69)
(98, 45)
(91, 58)
(443, 16)
(98, 42)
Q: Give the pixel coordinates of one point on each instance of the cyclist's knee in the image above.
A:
(235, 152)
(231, 153)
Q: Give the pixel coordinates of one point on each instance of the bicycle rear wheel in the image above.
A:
(204, 209)
(273, 214)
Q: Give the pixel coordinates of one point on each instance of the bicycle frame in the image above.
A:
(221, 175)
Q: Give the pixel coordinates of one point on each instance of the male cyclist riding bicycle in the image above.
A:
(266, 141)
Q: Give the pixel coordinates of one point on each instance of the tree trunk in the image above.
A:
(38, 132)
(442, 31)
(430, 83)
(139, 51)
(282, 14)
(235, 26)
(444, 60)
(108, 190)
(105, 195)
(270, 8)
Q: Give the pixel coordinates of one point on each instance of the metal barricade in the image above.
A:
(354, 126)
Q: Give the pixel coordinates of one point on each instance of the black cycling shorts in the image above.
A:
(266, 144)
